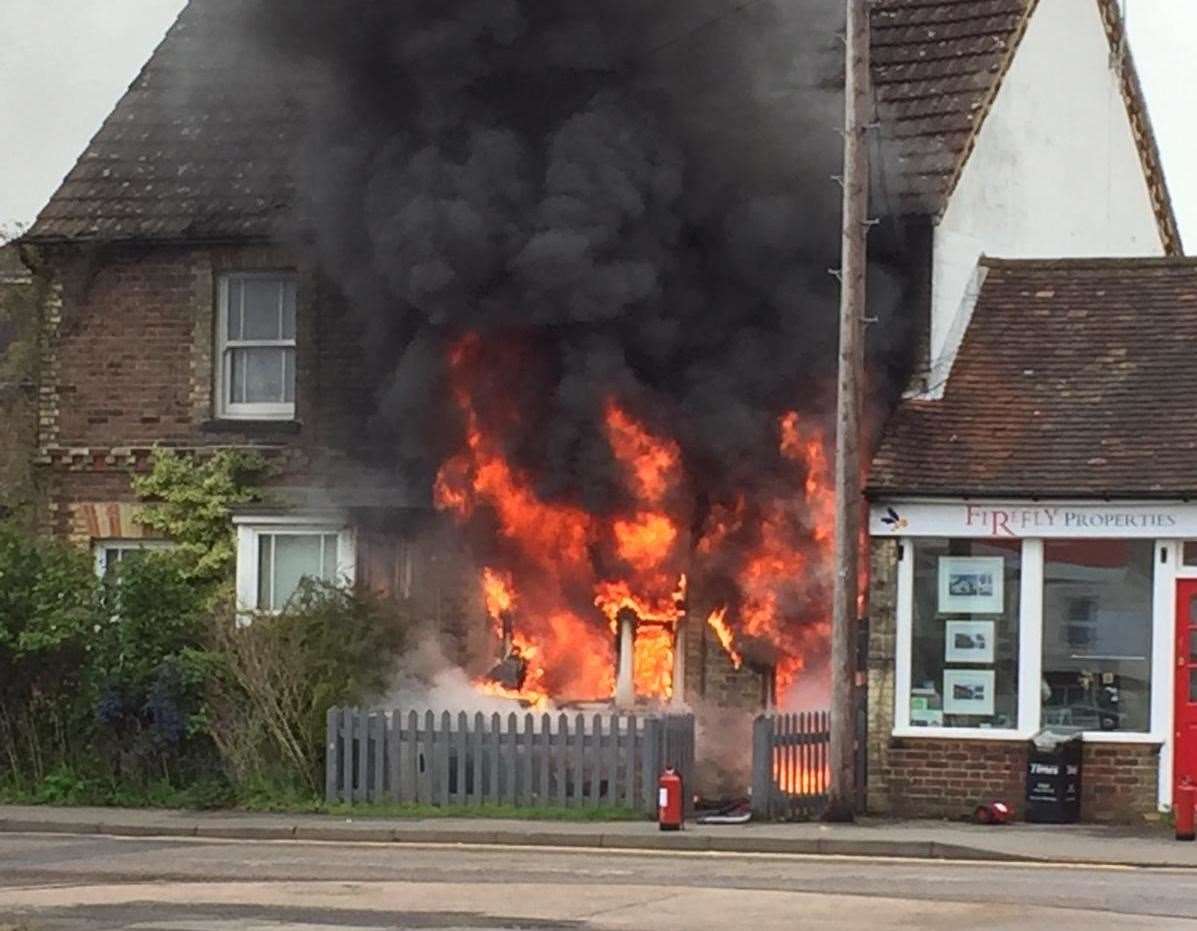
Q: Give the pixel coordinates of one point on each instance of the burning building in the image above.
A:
(528, 302)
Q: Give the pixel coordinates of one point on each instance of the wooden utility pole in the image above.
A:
(848, 495)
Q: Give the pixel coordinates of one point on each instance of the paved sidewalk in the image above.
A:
(1141, 846)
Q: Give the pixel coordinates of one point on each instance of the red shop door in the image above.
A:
(1184, 748)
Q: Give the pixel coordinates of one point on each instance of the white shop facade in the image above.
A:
(1014, 615)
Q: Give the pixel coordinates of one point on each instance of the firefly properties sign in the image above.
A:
(1012, 519)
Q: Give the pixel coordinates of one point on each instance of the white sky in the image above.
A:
(65, 63)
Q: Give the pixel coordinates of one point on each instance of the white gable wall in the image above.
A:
(1055, 172)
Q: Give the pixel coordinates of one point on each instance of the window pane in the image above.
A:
(295, 556)
(289, 309)
(234, 309)
(1189, 553)
(330, 557)
(263, 308)
(265, 576)
(258, 375)
(289, 376)
(1097, 610)
(1193, 685)
(964, 649)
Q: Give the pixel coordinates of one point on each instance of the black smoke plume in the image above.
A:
(628, 199)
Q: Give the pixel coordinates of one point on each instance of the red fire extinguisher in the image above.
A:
(1182, 809)
(670, 807)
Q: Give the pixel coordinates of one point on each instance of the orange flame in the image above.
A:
(775, 570)
(727, 639)
(653, 661)
(497, 589)
(801, 779)
(646, 541)
(773, 550)
(532, 693)
(653, 463)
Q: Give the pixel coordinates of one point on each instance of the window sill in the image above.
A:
(961, 733)
(985, 733)
(258, 427)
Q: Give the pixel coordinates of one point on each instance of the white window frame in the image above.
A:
(101, 548)
(249, 531)
(226, 409)
(1030, 652)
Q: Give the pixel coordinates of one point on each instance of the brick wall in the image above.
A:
(936, 778)
(128, 351)
(947, 778)
(126, 364)
(1120, 782)
(18, 398)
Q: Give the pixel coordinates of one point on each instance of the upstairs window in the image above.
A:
(256, 347)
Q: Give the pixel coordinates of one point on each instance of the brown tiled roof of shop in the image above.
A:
(1075, 377)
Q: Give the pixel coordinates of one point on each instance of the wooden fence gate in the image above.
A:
(790, 774)
(445, 759)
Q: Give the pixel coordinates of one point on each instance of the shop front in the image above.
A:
(993, 619)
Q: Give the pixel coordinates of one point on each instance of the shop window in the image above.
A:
(1097, 618)
(964, 645)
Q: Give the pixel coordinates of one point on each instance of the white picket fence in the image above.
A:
(376, 756)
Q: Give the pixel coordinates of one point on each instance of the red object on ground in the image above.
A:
(993, 813)
(670, 807)
(1182, 809)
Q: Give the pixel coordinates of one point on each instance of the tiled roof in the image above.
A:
(198, 148)
(1075, 377)
(937, 68)
(12, 269)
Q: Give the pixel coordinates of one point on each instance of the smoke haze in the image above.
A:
(622, 200)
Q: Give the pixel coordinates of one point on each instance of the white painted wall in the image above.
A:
(1055, 172)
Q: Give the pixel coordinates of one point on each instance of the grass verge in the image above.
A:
(281, 799)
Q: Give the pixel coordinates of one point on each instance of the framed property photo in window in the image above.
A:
(970, 585)
(968, 691)
(968, 642)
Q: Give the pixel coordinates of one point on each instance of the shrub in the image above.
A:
(47, 612)
(281, 673)
(146, 670)
(190, 500)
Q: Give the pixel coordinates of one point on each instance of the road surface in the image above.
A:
(63, 883)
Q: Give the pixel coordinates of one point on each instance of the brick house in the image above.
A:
(175, 313)
(1030, 495)
(18, 343)
(177, 310)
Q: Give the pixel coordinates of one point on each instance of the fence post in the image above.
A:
(762, 766)
(330, 756)
(561, 761)
(652, 763)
